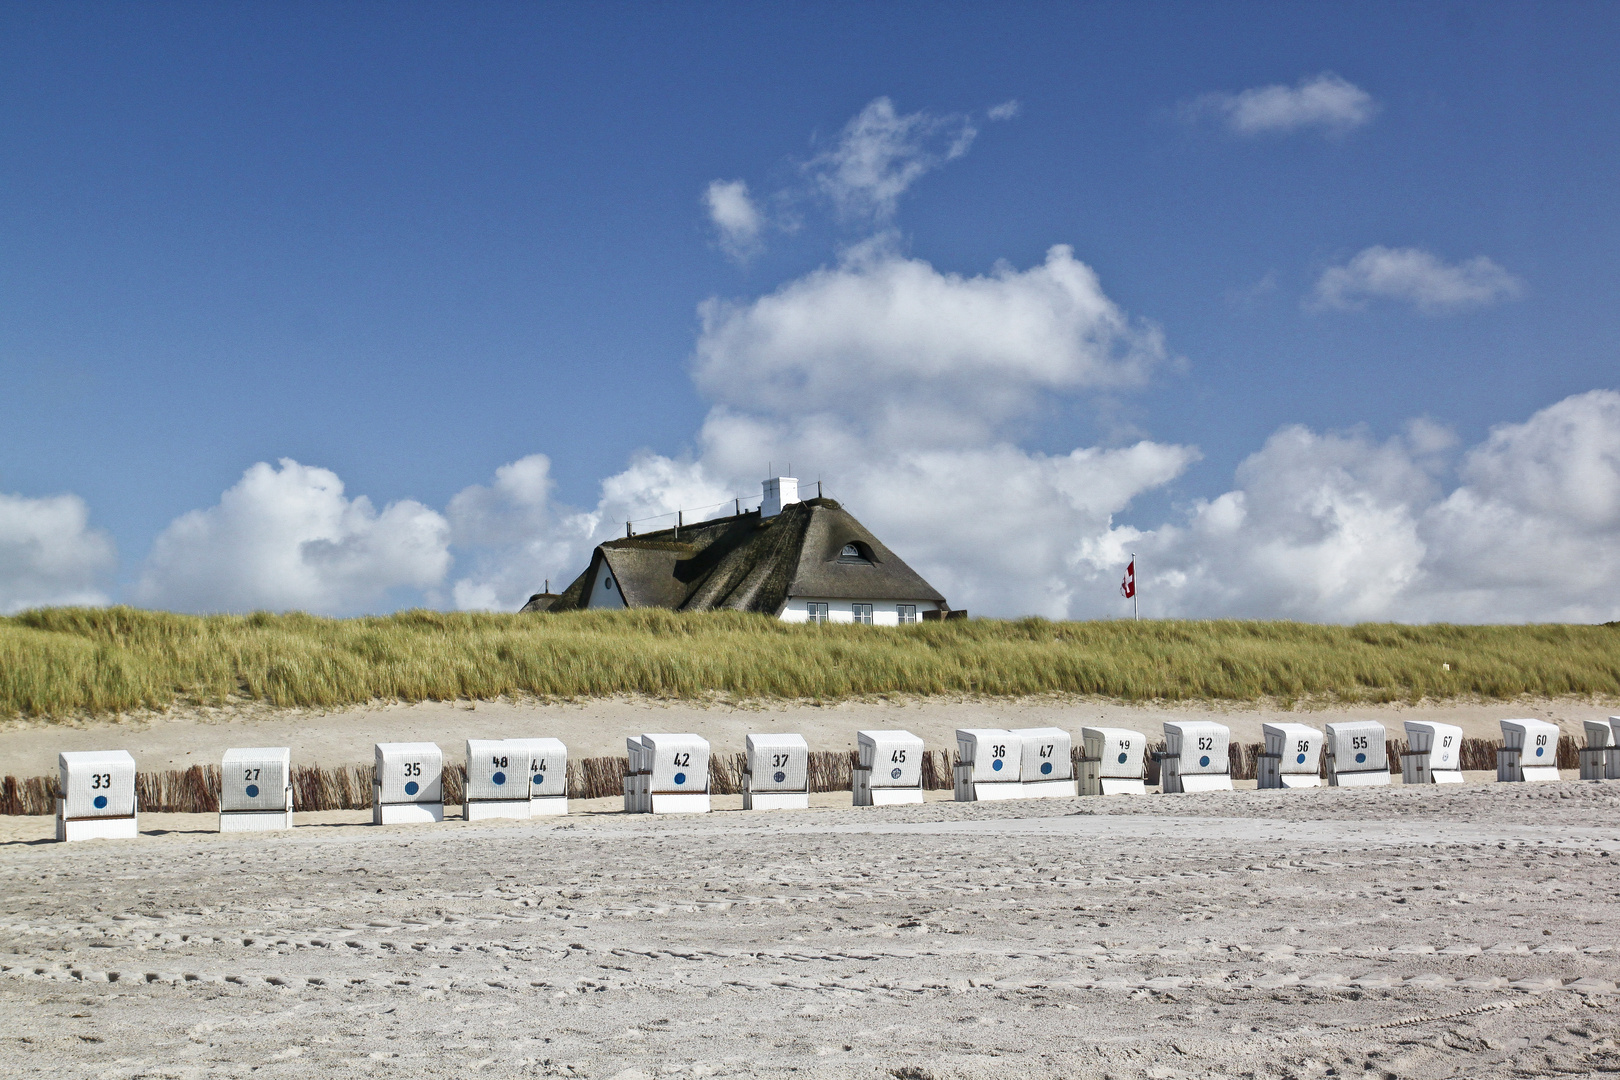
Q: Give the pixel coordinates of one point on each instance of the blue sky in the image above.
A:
(412, 244)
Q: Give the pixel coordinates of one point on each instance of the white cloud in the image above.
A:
(288, 538)
(1324, 101)
(1340, 528)
(507, 512)
(1530, 534)
(881, 153)
(1416, 277)
(1321, 527)
(736, 218)
(514, 536)
(905, 352)
(49, 555)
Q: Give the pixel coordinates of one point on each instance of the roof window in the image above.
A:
(855, 553)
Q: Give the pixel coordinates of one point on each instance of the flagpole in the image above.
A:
(1136, 608)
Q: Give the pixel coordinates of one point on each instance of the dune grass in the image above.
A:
(74, 661)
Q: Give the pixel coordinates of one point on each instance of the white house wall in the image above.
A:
(605, 592)
(884, 612)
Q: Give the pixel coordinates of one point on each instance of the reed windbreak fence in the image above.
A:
(348, 787)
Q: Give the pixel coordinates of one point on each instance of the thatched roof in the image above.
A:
(745, 563)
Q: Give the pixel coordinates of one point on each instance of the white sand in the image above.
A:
(187, 736)
(1411, 932)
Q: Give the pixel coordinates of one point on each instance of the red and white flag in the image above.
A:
(1127, 588)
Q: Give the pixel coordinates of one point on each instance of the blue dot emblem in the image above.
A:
(101, 802)
(1203, 762)
(539, 778)
(1540, 750)
(780, 778)
(894, 774)
(1046, 767)
(680, 778)
(1361, 759)
(1122, 759)
(499, 778)
(1300, 759)
(995, 766)
(412, 788)
(253, 791)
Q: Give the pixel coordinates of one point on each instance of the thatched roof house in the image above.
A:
(803, 561)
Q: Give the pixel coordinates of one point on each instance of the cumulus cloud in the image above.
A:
(1529, 534)
(900, 349)
(1414, 276)
(881, 153)
(513, 536)
(49, 555)
(737, 220)
(287, 537)
(1324, 101)
(1340, 527)
(1321, 527)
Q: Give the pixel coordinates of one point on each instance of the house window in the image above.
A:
(818, 612)
(863, 613)
(853, 553)
(908, 612)
(607, 584)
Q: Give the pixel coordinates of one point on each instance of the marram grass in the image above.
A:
(74, 661)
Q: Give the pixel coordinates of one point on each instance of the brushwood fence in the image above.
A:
(1475, 755)
(348, 787)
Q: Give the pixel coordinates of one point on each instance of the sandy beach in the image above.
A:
(187, 736)
(1399, 932)
(1393, 932)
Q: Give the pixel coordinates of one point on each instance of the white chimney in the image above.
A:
(780, 491)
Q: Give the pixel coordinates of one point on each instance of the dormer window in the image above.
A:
(853, 553)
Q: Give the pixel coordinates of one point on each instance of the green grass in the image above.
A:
(72, 661)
